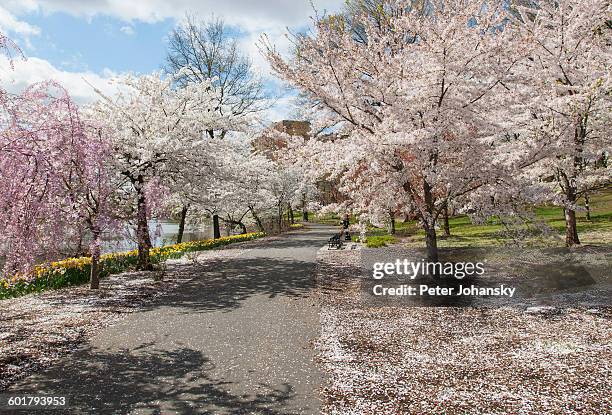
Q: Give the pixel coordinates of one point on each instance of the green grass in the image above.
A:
(331, 219)
(379, 241)
(601, 215)
(464, 233)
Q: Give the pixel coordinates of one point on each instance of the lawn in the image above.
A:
(466, 234)
(596, 231)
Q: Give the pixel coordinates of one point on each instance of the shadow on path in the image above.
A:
(236, 339)
(153, 382)
(276, 267)
(225, 284)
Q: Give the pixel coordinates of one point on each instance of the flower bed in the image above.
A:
(74, 271)
(295, 226)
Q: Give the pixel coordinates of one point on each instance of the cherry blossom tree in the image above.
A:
(420, 104)
(90, 181)
(234, 184)
(155, 130)
(202, 185)
(55, 178)
(242, 185)
(272, 143)
(9, 48)
(569, 96)
(205, 51)
(31, 189)
(247, 189)
(34, 144)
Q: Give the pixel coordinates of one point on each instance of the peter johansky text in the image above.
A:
(404, 269)
(426, 290)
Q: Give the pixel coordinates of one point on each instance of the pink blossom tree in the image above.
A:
(30, 187)
(91, 186)
(55, 177)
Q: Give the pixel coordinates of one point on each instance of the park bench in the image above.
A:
(335, 241)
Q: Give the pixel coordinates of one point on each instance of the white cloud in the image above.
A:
(127, 30)
(251, 42)
(81, 85)
(27, 72)
(248, 14)
(251, 18)
(10, 25)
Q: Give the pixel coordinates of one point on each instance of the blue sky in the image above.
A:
(100, 43)
(87, 42)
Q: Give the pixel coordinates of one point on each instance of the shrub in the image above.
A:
(74, 271)
(379, 241)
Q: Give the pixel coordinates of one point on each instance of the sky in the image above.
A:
(85, 43)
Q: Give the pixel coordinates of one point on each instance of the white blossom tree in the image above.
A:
(248, 186)
(157, 132)
(420, 103)
(568, 93)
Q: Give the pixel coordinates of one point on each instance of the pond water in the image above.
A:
(162, 233)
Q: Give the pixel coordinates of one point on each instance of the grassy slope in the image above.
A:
(466, 234)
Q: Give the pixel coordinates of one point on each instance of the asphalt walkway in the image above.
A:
(237, 339)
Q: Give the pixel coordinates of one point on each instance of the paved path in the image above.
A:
(235, 340)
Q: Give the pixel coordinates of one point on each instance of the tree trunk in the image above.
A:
(391, 224)
(587, 206)
(94, 276)
(181, 229)
(290, 214)
(216, 230)
(429, 224)
(304, 211)
(571, 231)
(231, 223)
(446, 224)
(280, 217)
(80, 249)
(142, 232)
(257, 220)
(431, 242)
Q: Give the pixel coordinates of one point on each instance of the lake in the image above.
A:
(162, 233)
